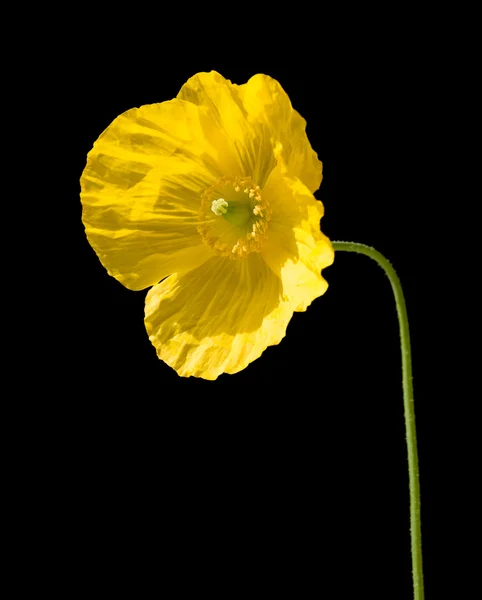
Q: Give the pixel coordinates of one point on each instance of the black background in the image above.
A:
(297, 465)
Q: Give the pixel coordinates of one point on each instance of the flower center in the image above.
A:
(233, 220)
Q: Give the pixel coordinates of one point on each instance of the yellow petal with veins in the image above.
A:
(250, 140)
(295, 248)
(142, 186)
(266, 102)
(217, 318)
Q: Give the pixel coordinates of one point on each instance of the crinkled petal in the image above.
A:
(295, 248)
(249, 140)
(143, 234)
(142, 186)
(217, 318)
(266, 102)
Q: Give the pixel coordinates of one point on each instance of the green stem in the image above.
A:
(415, 528)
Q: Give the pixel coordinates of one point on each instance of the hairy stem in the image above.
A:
(415, 527)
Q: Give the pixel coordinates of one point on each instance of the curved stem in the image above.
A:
(415, 527)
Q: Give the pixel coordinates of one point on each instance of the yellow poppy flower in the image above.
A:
(209, 199)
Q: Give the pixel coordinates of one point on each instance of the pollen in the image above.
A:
(219, 206)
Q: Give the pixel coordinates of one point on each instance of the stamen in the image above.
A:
(245, 217)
